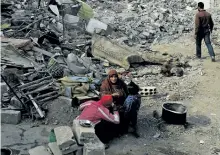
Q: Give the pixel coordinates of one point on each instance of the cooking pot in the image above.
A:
(174, 113)
(6, 151)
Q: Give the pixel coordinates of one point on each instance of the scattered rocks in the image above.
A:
(177, 71)
(201, 142)
(157, 135)
(173, 97)
(39, 150)
(151, 21)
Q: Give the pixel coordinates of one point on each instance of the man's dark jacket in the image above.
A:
(203, 22)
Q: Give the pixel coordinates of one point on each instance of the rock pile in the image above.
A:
(145, 22)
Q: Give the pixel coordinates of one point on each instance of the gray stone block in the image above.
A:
(4, 88)
(10, 116)
(16, 103)
(110, 50)
(54, 148)
(69, 150)
(39, 150)
(65, 137)
(95, 147)
(83, 134)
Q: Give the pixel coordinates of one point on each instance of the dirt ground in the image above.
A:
(201, 137)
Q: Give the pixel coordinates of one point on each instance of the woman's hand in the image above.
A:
(115, 94)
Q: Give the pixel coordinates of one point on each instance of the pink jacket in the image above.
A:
(95, 112)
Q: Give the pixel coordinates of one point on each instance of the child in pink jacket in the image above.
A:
(97, 112)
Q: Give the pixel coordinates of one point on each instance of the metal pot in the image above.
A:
(6, 151)
(174, 113)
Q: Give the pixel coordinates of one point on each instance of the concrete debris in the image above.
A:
(74, 65)
(16, 103)
(54, 148)
(174, 67)
(10, 116)
(94, 147)
(55, 50)
(104, 48)
(151, 21)
(148, 91)
(83, 134)
(157, 135)
(70, 19)
(95, 26)
(18, 43)
(173, 97)
(177, 71)
(65, 137)
(201, 142)
(39, 150)
(4, 88)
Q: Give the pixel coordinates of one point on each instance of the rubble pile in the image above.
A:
(145, 22)
(47, 53)
(58, 48)
(78, 140)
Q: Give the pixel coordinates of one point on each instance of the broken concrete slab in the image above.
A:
(155, 57)
(64, 136)
(95, 26)
(83, 134)
(94, 147)
(74, 64)
(10, 116)
(16, 103)
(36, 49)
(70, 19)
(39, 150)
(11, 54)
(18, 43)
(70, 149)
(54, 148)
(104, 48)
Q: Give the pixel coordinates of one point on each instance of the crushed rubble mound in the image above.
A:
(144, 22)
(50, 49)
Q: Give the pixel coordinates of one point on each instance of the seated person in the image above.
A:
(98, 113)
(131, 107)
(114, 86)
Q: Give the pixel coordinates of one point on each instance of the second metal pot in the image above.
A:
(174, 113)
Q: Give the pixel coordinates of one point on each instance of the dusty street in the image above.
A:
(201, 137)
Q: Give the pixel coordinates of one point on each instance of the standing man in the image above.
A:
(203, 27)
